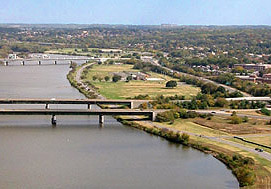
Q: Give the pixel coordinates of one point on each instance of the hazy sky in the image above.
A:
(184, 12)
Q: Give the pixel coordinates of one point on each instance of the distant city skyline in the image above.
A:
(137, 12)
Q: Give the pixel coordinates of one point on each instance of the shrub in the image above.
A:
(94, 77)
(106, 78)
(171, 84)
(166, 116)
(236, 120)
(221, 102)
(245, 119)
(116, 78)
(184, 138)
(265, 111)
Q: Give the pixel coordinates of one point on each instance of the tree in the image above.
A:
(106, 78)
(171, 84)
(221, 89)
(221, 102)
(94, 77)
(129, 78)
(116, 78)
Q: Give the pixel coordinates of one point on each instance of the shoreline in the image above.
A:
(219, 153)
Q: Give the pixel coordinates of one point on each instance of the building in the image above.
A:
(12, 56)
(256, 67)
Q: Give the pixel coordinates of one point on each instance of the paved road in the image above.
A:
(264, 155)
(230, 89)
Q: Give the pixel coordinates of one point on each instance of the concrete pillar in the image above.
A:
(39, 62)
(153, 116)
(101, 119)
(55, 62)
(53, 120)
(89, 106)
(132, 104)
(46, 106)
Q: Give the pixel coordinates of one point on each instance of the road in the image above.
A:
(230, 89)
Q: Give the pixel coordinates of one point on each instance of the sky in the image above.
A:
(137, 12)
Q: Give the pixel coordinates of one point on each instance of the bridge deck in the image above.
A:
(75, 112)
(66, 101)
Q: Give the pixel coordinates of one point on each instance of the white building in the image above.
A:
(12, 56)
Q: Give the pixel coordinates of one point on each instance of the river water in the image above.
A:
(80, 154)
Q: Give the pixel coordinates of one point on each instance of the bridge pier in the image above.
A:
(101, 119)
(53, 120)
(46, 106)
(153, 116)
(39, 62)
(131, 104)
(89, 106)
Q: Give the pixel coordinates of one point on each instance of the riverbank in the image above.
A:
(74, 77)
(253, 174)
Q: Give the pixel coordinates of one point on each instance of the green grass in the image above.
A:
(189, 126)
(123, 90)
(265, 140)
(78, 51)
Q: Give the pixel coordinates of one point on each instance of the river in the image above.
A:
(80, 154)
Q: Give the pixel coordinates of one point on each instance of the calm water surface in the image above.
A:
(79, 154)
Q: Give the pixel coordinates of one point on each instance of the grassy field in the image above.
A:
(188, 126)
(253, 126)
(123, 90)
(78, 51)
(266, 140)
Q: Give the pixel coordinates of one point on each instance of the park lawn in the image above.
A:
(265, 140)
(188, 126)
(222, 123)
(79, 51)
(123, 90)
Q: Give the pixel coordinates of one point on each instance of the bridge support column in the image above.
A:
(101, 119)
(55, 62)
(131, 104)
(46, 106)
(39, 62)
(53, 120)
(89, 106)
(153, 116)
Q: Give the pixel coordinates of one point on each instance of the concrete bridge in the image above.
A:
(130, 103)
(101, 113)
(39, 61)
(88, 111)
(55, 60)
